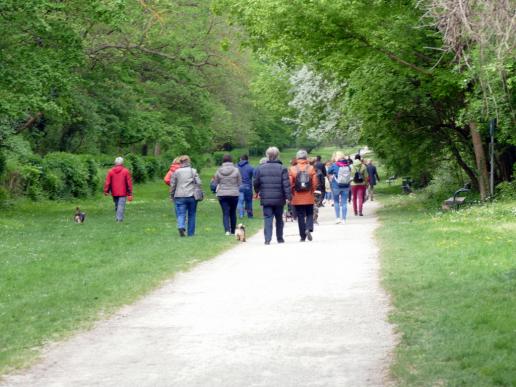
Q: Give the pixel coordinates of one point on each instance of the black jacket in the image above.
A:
(272, 183)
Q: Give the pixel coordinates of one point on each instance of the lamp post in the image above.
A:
(492, 128)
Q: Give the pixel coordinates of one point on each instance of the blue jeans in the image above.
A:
(119, 207)
(186, 207)
(271, 212)
(340, 201)
(229, 206)
(245, 201)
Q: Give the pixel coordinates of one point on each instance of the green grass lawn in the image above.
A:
(57, 276)
(452, 278)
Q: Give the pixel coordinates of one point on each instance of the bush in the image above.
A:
(3, 163)
(71, 170)
(31, 181)
(4, 197)
(53, 185)
(217, 157)
(152, 167)
(93, 180)
(137, 167)
(506, 190)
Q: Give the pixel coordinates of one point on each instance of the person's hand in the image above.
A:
(106, 194)
(130, 198)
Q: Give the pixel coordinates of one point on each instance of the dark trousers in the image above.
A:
(229, 206)
(269, 213)
(305, 219)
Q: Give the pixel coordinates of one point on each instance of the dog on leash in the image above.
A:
(79, 216)
(240, 232)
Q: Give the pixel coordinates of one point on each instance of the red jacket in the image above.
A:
(173, 167)
(118, 182)
(302, 198)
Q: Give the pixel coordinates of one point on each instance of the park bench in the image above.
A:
(455, 201)
(391, 179)
(406, 185)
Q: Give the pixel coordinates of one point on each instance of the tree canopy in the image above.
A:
(409, 93)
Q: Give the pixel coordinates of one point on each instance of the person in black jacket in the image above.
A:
(272, 183)
(321, 173)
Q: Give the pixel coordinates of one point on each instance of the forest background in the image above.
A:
(419, 81)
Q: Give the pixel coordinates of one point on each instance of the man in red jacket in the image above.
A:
(120, 185)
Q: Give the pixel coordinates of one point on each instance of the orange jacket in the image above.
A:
(173, 167)
(300, 198)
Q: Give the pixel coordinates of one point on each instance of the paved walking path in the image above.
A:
(297, 314)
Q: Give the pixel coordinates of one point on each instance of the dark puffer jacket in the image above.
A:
(271, 181)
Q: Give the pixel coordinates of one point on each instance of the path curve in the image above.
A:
(297, 314)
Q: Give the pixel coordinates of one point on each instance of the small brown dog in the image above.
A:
(240, 232)
(79, 216)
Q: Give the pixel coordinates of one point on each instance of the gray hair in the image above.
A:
(301, 154)
(119, 161)
(272, 153)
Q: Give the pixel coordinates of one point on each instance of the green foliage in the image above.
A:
(412, 104)
(506, 190)
(153, 167)
(72, 171)
(217, 157)
(31, 181)
(137, 166)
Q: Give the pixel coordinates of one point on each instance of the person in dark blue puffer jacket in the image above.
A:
(272, 183)
(245, 200)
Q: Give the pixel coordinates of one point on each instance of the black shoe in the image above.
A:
(361, 214)
(267, 242)
(181, 232)
(281, 240)
(309, 236)
(301, 240)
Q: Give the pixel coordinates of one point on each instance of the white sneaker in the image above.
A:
(339, 221)
(228, 233)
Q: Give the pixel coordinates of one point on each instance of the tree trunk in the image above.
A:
(157, 149)
(480, 157)
(464, 165)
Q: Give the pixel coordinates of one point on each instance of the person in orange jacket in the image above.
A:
(120, 185)
(303, 183)
(173, 167)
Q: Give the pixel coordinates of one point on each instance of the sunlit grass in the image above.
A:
(57, 276)
(452, 277)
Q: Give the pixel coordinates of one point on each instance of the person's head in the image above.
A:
(263, 160)
(339, 156)
(272, 153)
(301, 154)
(119, 161)
(244, 157)
(318, 158)
(358, 157)
(370, 162)
(176, 160)
(312, 160)
(227, 158)
(184, 160)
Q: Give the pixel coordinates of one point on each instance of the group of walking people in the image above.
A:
(306, 185)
